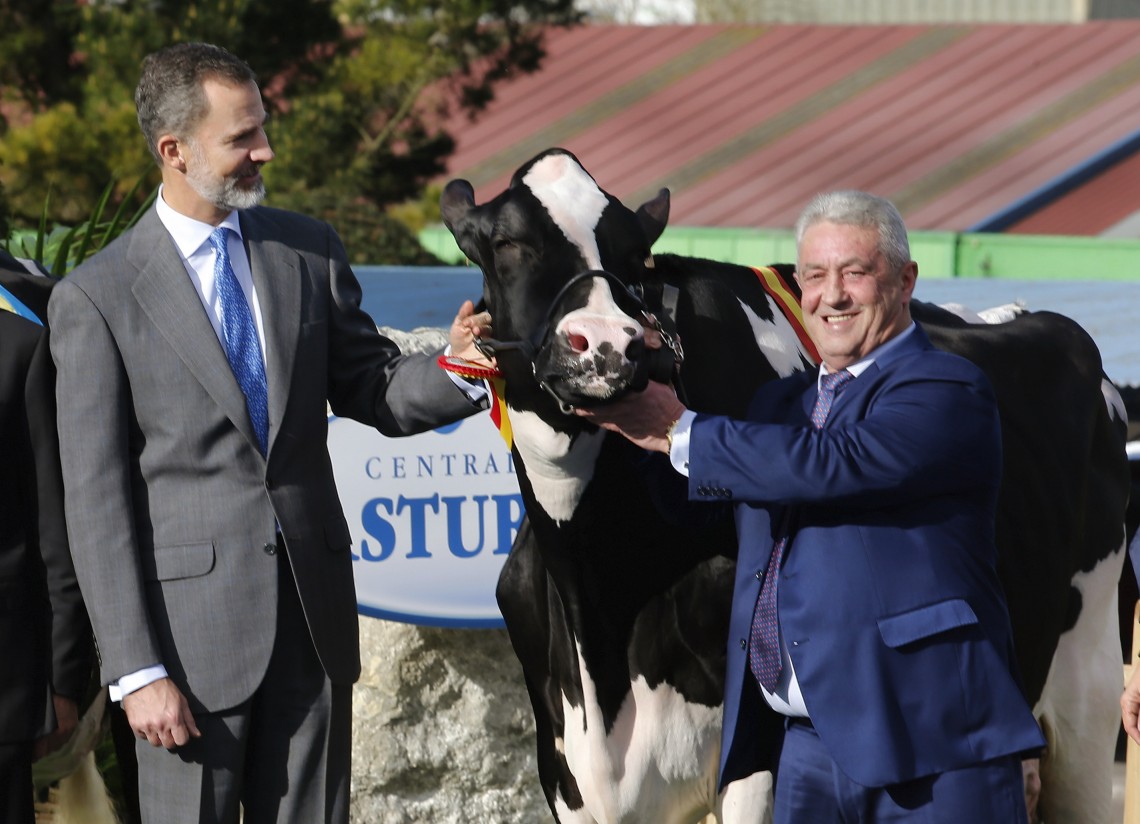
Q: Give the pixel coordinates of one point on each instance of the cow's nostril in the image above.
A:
(578, 343)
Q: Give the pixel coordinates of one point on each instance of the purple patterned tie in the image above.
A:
(764, 643)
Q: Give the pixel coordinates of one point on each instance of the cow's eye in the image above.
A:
(501, 243)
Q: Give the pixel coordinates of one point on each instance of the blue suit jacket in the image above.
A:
(889, 599)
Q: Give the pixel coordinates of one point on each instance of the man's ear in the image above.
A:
(909, 276)
(172, 152)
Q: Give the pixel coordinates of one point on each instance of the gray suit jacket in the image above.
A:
(170, 505)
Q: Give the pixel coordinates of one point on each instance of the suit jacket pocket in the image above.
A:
(169, 563)
(900, 630)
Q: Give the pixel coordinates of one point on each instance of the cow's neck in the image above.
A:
(559, 465)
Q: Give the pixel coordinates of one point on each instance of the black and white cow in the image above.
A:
(619, 617)
(1130, 581)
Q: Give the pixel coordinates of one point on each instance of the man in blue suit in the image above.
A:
(868, 624)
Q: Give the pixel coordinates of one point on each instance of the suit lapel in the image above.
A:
(277, 278)
(164, 292)
(807, 397)
(917, 341)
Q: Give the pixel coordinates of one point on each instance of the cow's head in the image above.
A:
(558, 256)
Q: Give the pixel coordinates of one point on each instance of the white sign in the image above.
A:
(432, 519)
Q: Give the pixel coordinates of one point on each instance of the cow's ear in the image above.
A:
(457, 200)
(654, 216)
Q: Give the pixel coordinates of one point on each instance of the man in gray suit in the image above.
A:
(195, 356)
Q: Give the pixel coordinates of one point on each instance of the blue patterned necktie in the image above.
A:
(764, 655)
(239, 337)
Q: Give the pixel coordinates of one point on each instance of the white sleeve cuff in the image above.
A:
(477, 393)
(679, 450)
(135, 681)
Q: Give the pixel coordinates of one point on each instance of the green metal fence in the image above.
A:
(939, 254)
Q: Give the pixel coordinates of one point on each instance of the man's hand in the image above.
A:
(158, 713)
(1130, 705)
(467, 326)
(66, 720)
(645, 418)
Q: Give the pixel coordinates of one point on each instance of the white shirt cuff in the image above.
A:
(679, 450)
(135, 681)
(477, 393)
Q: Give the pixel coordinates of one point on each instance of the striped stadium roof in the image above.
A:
(954, 123)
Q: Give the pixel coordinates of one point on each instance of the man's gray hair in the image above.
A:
(170, 97)
(855, 208)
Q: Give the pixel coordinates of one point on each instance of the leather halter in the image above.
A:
(658, 364)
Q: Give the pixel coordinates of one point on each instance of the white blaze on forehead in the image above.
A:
(601, 308)
(573, 200)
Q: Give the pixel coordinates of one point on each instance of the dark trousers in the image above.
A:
(810, 788)
(17, 805)
(283, 755)
(124, 739)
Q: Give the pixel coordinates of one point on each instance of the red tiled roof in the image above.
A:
(1105, 200)
(744, 123)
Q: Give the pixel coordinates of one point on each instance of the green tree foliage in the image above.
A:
(360, 92)
(37, 40)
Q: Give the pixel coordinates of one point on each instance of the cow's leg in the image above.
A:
(747, 800)
(541, 642)
(655, 765)
(1079, 708)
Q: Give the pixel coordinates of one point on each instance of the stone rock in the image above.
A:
(443, 731)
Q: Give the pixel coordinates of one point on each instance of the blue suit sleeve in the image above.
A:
(907, 435)
(669, 491)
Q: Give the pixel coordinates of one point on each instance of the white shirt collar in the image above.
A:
(879, 352)
(189, 234)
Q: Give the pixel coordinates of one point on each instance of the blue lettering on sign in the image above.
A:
(418, 509)
(381, 516)
(509, 514)
(442, 464)
(379, 528)
(454, 508)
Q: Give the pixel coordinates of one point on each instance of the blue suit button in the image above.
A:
(270, 549)
(743, 643)
(759, 575)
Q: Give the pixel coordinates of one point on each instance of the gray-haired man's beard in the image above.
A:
(225, 193)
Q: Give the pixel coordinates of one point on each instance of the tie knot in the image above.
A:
(218, 239)
(829, 385)
(831, 382)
